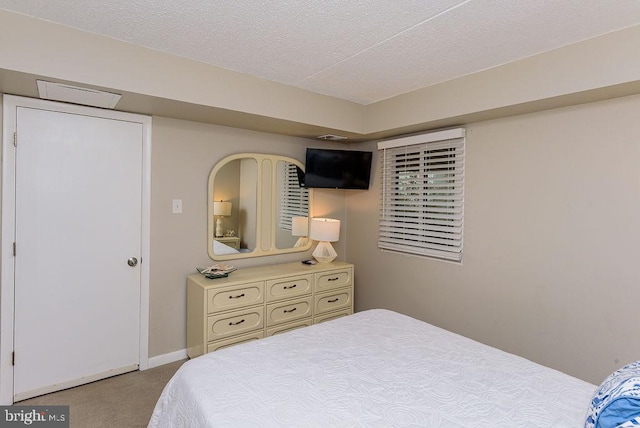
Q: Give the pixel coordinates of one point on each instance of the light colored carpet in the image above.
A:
(123, 401)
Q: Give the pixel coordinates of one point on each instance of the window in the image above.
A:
(294, 200)
(422, 207)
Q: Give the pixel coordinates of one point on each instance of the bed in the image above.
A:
(375, 368)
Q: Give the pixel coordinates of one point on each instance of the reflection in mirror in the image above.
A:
(253, 201)
(300, 229)
(292, 201)
(235, 185)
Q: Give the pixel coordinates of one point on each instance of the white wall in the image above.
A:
(183, 155)
(552, 229)
(565, 271)
(41, 48)
(164, 85)
(572, 74)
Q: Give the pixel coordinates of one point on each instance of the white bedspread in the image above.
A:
(372, 369)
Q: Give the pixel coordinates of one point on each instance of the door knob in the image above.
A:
(132, 261)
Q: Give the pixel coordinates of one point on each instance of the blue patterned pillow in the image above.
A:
(635, 422)
(616, 402)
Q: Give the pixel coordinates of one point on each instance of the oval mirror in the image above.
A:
(256, 207)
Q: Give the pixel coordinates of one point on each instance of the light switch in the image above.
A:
(177, 206)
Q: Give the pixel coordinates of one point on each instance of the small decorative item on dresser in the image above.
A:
(216, 271)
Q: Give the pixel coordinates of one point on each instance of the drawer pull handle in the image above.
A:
(333, 279)
(333, 301)
(236, 323)
(288, 311)
(290, 286)
(237, 297)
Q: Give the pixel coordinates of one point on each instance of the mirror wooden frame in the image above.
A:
(266, 205)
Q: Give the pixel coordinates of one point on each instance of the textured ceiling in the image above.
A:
(358, 50)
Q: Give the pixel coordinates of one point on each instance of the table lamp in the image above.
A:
(324, 230)
(300, 227)
(220, 209)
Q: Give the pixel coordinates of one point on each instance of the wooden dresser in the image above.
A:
(253, 303)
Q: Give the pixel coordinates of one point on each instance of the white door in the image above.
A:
(77, 223)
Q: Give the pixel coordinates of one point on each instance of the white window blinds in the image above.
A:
(422, 207)
(293, 200)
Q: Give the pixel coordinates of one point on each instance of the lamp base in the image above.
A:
(301, 242)
(218, 227)
(324, 252)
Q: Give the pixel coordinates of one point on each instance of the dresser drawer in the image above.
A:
(281, 312)
(237, 322)
(327, 302)
(285, 288)
(333, 279)
(219, 344)
(260, 301)
(224, 299)
(332, 315)
(288, 327)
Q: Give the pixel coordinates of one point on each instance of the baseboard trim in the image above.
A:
(171, 357)
(74, 382)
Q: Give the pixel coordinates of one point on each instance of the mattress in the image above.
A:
(375, 368)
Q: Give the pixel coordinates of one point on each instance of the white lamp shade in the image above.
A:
(300, 226)
(325, 229)
(222, 208)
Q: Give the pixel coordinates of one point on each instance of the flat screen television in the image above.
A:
(337, 169)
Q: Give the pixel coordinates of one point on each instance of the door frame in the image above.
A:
(10, 103)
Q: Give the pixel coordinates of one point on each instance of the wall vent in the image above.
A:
(77, 95)
(332, 137)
